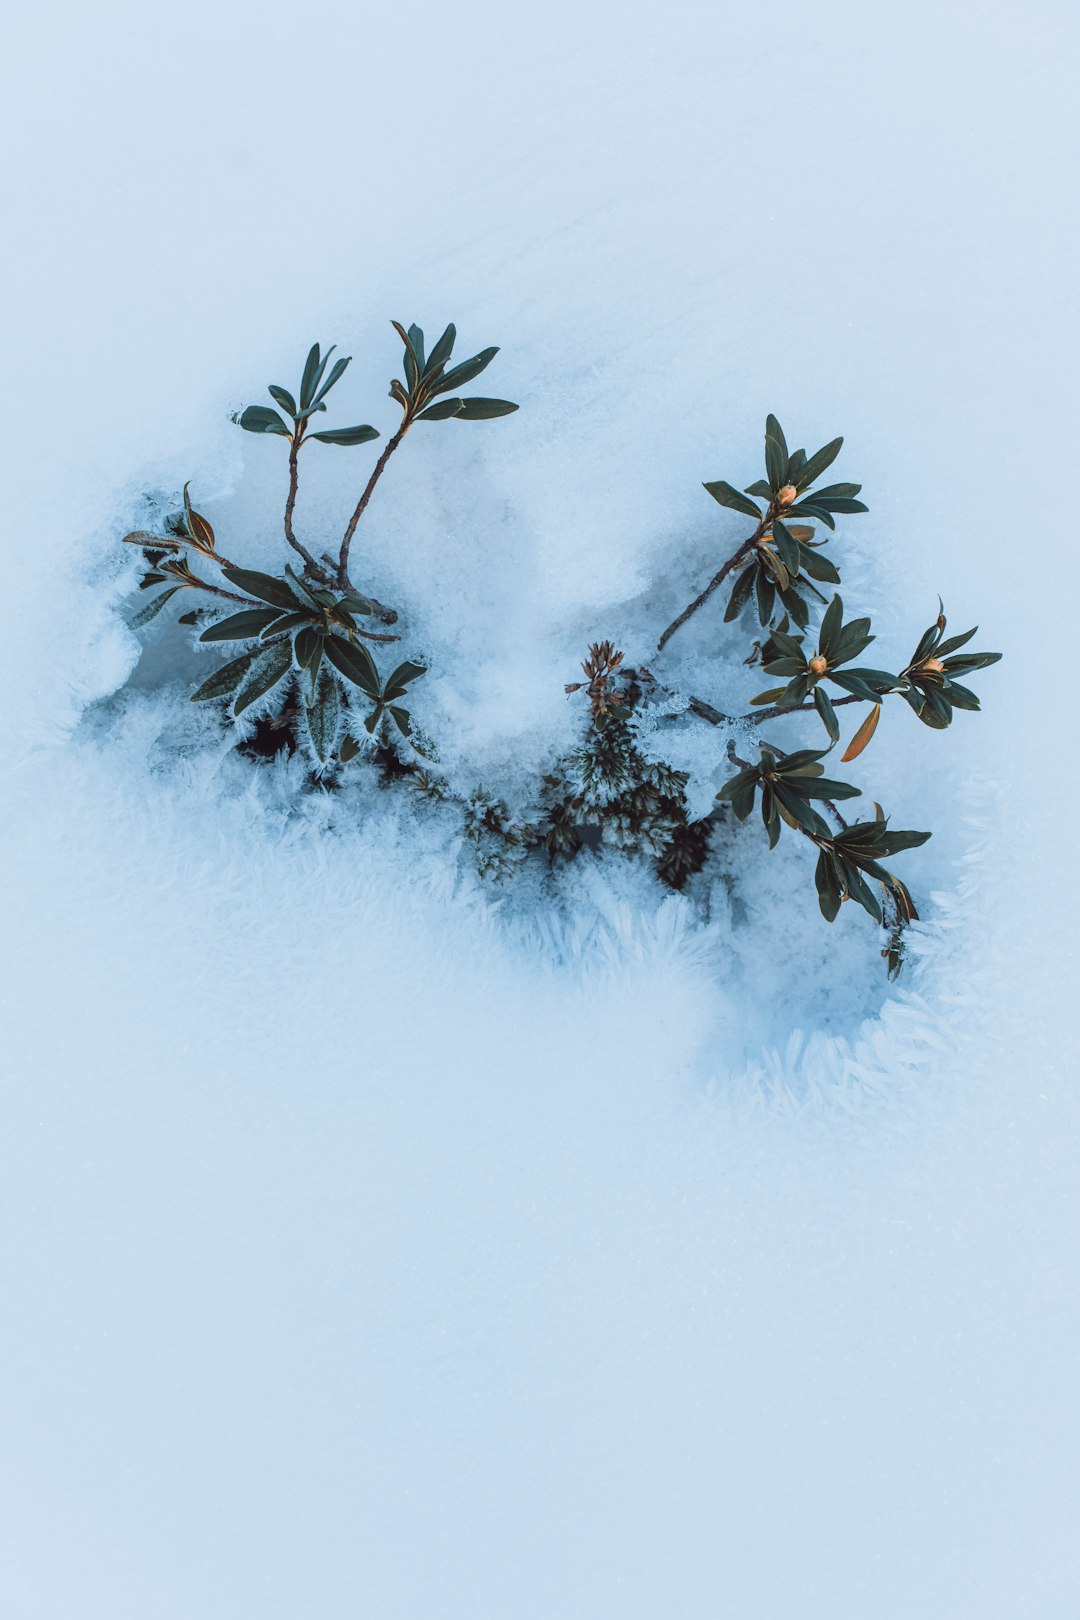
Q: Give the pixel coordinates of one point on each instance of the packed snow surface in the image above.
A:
(375, 1243)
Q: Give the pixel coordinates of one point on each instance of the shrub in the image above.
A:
(300, 634)
(303, 639)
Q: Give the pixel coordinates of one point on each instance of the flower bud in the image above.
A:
(933, 666)
(786, 496)
(818, 665)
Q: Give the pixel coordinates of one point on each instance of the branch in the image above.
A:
(718, 579)
(779, 709)
(380, 465)
(310, 565)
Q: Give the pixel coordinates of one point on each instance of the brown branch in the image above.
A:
(310, 565)
(718, 578)
(779, 709)
(380, 466)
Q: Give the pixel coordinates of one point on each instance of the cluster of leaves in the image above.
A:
(301, 649)
(309, 634)
(782, 558)
(779, 561)
(300, 640)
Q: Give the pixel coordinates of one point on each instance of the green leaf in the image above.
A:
(337, 372)
(224, 681)
(894, 842)
(966, 663)
(765, 592)
(787, 546)
(239, 626)
(859, 891)
(740, 593)
(351, 435)
(324, 715)
(416, 343)
(353, 660)
(773, 695)
(830, 627)
(152, 609)
(466, 372)
(307, 646)
(401, 678)
(307, 384)
(467, 410)
(836, 489)
(821, 787)
(263, 586)
(817, 566)
(284, 399)
(799, 810)
(828, 888)
(348, 750)
(839, 503)
(401, 719)
(818, 463)
(776, 453)
(261, 419)
(267, 668)
(440, 354)
(954, 643)
(727, 496)
(809, 509)
(827, 713)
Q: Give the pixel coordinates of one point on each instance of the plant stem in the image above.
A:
(380, 465)
(718, 579)
(310, 565)
(779, 709)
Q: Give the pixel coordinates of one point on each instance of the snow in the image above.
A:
(373, 1242)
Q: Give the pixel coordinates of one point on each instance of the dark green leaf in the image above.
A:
(152, 609)
(818, 463)
(307, 384)
(776, 453)
(351, 435)
(440, 354)
(267, 668)
(224, 681)
(283, 398)
(466, 371)
(830, 627)
(352, 659)
(239, 626)
(263, 586)
(261, 419)
(740, 594)
(323, 715)
(727, 496)
(827, 713)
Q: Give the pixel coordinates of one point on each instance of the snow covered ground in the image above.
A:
(371, 1249)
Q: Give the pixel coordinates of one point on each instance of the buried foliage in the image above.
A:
(301, 638)
(303, 645)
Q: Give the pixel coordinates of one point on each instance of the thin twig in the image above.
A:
(714, 584)
(310, 565)
(797, 708)
(380, 465)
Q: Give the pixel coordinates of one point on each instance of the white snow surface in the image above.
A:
(377, 1244)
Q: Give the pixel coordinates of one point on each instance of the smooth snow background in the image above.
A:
(365, 1253)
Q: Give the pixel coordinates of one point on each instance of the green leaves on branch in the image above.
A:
(315, 384)
(931, 684)
(426, 379)
(789, 785)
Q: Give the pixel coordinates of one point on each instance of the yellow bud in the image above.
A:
(786, 496)
(818, 665)
(934, 665)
